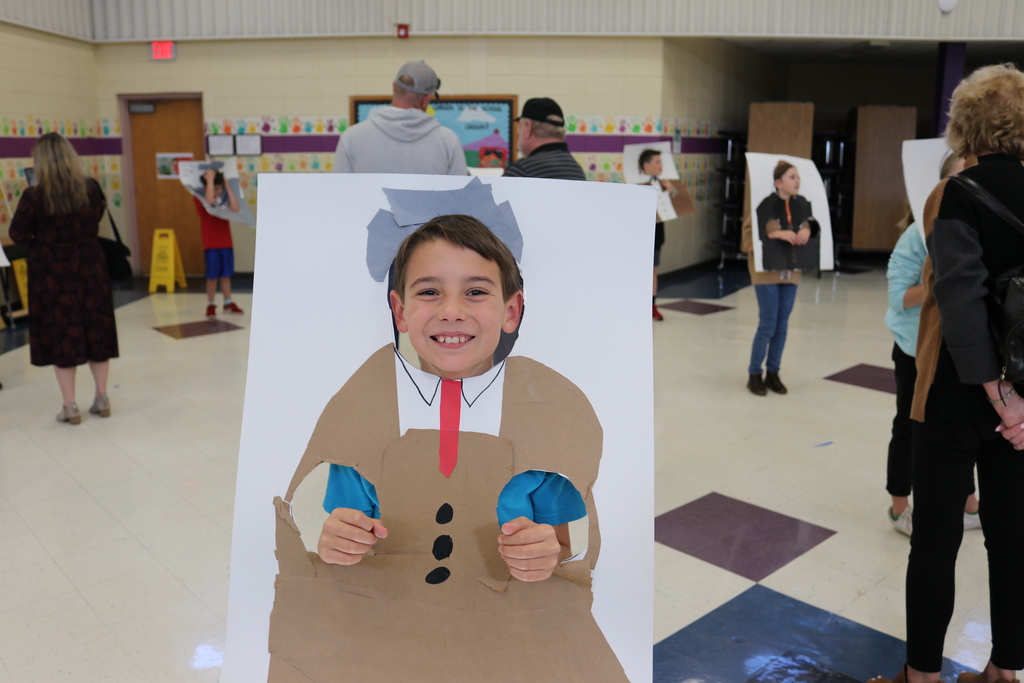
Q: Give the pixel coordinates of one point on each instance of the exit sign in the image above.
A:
(162, 49)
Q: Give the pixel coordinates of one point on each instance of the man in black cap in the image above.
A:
(402, 137)
(541, 143)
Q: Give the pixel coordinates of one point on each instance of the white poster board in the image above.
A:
(631, 157)
(922, 166)
(191, 173)
(759, 170)
(3, 259)
(299, 357)
(220, 145)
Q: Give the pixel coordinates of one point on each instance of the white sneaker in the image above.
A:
(972, 521)
(904, 523)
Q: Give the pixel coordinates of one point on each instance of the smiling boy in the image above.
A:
(457, 287)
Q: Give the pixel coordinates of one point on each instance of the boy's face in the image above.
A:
(454, 310)
(653, 167)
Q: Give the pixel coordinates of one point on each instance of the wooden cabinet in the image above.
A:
(880, 200)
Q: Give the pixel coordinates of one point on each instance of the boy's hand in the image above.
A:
(530, 550)
(210, 174)
(348, 535)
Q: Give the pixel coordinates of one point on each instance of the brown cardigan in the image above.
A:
(929, 331)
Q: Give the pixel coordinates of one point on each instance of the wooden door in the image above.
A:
(880, 197)
(175, 126)
(778, 128)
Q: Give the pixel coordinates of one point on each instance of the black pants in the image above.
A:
(898, 481)
(944, 454)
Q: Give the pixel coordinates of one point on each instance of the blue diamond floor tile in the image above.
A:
(760, 626)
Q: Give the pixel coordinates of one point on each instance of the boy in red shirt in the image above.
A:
(218, 248)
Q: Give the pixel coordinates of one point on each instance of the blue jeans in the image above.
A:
(774, 304)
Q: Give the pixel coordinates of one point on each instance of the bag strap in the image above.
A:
(117, 235)
(986, 198)
(110, 216)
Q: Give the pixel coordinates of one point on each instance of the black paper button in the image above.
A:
(444, 514)
(442, 547)
(439, 575)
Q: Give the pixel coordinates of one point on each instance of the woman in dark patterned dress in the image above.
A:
(71, 309)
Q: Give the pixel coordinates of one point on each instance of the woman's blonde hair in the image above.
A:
(59, 175)
(986, 113)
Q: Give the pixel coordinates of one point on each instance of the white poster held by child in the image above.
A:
(299, 358)
(760, 168)
(922, 169)
(631, 158)
(191, 174)
(666, 211)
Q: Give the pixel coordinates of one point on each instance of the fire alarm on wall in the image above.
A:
(402, 30)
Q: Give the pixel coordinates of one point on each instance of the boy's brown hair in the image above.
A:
(466, 232)
(781, 168)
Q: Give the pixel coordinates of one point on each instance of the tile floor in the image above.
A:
(115, 534)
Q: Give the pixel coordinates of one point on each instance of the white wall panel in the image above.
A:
(143, 20)
(70, 18)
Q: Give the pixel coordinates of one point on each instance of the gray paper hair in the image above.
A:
(412, 208)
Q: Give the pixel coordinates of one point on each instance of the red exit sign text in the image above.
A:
(162, 49)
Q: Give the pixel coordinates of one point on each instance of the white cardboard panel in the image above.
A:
(759, 170)
(312, 238)
(631, 155)
(922, 164)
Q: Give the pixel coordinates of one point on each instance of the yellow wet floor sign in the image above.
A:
(166, 268)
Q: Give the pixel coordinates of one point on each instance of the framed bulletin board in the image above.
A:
(484, 123)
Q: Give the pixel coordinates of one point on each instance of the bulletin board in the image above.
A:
(484, 123)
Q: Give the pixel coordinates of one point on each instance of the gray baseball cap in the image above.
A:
(424, 80)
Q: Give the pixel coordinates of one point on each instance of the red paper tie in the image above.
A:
(451, 407)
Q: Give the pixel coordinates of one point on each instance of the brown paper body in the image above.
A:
(380, 620)
(682, 202)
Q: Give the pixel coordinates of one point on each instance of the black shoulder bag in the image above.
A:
(116, 252)
(1006, 295)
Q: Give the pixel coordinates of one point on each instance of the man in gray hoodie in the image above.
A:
(403, 138)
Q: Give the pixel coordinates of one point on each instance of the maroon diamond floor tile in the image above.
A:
(695, 307)
(742, 538)
(196, 329)
(868, 376)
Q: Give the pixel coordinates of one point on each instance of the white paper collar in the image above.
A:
(427, 385)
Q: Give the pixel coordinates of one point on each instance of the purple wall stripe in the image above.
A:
(299, 144)
(21, 148)
(583, 144)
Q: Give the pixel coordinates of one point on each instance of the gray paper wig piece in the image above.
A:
(412, 208)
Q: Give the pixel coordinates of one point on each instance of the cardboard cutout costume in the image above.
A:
(791, 214)
(191, 173)
(437, 602)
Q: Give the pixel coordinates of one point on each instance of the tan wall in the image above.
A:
(690, 78)
(315, 76)
(711, 80)
(46, 75)
(613, 76)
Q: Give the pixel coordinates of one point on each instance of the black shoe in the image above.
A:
(757, 386)
(771, 380)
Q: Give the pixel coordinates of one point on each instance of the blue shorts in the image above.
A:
(219, 263)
